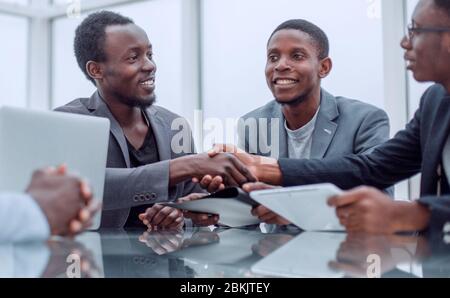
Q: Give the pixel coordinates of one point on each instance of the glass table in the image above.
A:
(229, 253)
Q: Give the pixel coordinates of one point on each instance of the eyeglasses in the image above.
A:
(412, 30)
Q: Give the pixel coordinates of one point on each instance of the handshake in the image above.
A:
(226, 166)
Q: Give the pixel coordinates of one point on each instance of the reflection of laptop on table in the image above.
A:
(30, 140)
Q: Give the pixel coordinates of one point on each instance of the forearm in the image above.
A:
(125, 188)
(181, 169)
(408, 217)
(268, 171)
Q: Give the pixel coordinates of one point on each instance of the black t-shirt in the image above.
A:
(147, 154)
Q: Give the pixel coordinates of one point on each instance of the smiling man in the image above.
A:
(143, 168)
(304, 120)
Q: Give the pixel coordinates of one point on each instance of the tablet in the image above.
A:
(233, 206)
(304, 206)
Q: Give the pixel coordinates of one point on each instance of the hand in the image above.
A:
(211, 184)
(60, 250)
(352, 255)
(263, 213)
(199, 219)
(265, 169)
(251, 161)
(268, 216)
(215, 184)
(270, 243)
(163, 242)
(162, 217)
(368, 210)
(230, 168)
(65, 200)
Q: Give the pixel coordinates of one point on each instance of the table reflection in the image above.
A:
(201, 252)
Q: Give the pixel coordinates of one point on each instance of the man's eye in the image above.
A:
(133, 58)
(273, 58)
(150, 56)
(298, 56)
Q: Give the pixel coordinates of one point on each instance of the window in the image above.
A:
(13, 60)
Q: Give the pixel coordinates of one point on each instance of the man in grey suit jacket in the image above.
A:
(304, 120)
(343, 126)
(150, 154)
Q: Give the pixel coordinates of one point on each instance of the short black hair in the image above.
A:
(443, 4)
(90, 37)
(318, 36)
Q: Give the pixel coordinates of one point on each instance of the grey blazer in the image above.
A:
(127, 187)
(343, 126)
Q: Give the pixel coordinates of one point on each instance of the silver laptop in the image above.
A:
(30, 140)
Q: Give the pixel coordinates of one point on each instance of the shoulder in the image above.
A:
(266, 111)
(434, 95)
(357, 109)
(164, 113)
(78, 106)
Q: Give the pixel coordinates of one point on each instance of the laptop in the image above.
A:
(31, 140)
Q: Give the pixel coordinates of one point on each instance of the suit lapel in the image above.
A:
(325, 127)
(282, 135)
(432, 155)
(100, 109)
(161, 132)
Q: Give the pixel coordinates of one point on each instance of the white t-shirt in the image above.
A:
(300, 140)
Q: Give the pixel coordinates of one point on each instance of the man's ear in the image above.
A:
(95, 70)
(325, 67)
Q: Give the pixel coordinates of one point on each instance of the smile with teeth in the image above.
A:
(148, 83)
(284, 82)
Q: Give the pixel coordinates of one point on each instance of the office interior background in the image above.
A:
(211, 55)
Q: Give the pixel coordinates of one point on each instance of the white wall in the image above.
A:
(13, 61)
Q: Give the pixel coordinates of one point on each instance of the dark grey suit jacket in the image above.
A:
(127, 187)
(343, 126)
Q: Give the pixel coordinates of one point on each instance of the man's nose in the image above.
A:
(405, 43)
(149, 65)
(282, 65)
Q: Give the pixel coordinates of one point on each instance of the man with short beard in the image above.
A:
(142, 167)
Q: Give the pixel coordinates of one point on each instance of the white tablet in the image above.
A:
(304, 206)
